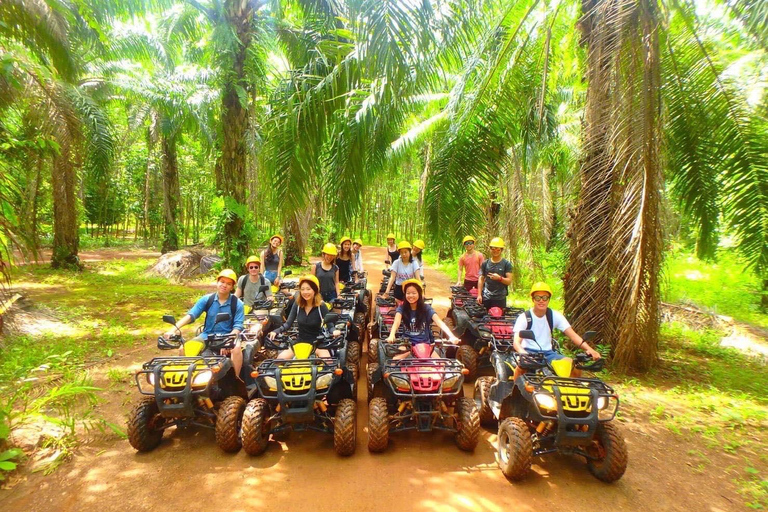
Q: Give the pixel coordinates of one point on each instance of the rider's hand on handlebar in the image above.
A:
(391, 338)
(169, 334)
(453, 339)
(594, 354)
(336, 333)
(272, 335)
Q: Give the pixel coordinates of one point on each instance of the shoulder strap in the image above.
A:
(550, 320)
(261, 279)
(233, 307)
(528, 319)
(241, 282)
(209, 304)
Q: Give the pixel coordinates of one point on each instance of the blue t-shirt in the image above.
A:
(216, 308)
(417, 333)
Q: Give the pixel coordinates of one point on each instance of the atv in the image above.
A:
(198, 388)
(475, 350)
(546, 410)
(419, 392)
(307, 392)
(345, 306)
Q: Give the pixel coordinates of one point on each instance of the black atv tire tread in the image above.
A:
(372, 367)
(519, 462)
(373, 351)
(353, 353)
(482, 394)
(468, 434)
(228, 422)
(345, 428)
(615, 463)
(468, 357)
(378, 425)
(142, 438)
(254, 437)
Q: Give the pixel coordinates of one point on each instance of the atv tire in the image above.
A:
(482, 394)
(467, 424)
(353, 353)
(373, 351)
(370, 386)
(345, 428)
(515, 449)
(609, 445)
(228, 422)
(378, 425)
(143, 433)
(468, 357)
(255, 431)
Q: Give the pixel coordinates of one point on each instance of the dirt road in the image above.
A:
(418, 472)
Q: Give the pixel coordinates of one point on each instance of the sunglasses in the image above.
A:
(251, 267)
(469, 243)
(541, 298)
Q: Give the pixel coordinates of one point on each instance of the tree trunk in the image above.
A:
(171, 193)
(66, 239)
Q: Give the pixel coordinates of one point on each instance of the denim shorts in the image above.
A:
(549, 355)
(271, 275)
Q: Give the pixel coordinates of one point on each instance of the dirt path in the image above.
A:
(418, 472)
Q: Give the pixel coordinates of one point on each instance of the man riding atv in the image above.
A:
(249, 286)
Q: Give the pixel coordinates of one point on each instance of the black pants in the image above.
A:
(398, 292)
(489, 303)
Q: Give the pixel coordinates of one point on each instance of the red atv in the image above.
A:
(419, 392)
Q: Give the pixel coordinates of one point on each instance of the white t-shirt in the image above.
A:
(540, 329)
(404, 272)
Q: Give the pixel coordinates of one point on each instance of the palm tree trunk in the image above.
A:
(171, 194)
(66, 239)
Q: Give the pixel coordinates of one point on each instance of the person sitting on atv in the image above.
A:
(470, 261)
(418, 253)
(542, 321)
(327, 273)
(357, 255)
(495, 278)
(392, 252)
(344, 260)
(222, 301)
(248, 286)
(417, 318)
(272, 259)
(309, 311)
(403, 268)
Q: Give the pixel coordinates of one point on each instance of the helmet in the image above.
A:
(330, 248)
(420, 244)
(414, 282)
(403, 245)
(310, 279)
(496, 311)
(276, 236)
(345, 239)
(541, 287)
(227, 273)
(468, 238)
(358, 241)
(252, 259)
(391, 235)
(497, 242)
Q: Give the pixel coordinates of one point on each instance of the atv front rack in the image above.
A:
(405, 368)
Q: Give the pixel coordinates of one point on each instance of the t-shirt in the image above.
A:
(211, 327)
(471, 263)
(310, 324)
(251, 290)
(417, 333)
(357, 261)
(327, 278)
(540, 329)
(495, 289)
(404, 272)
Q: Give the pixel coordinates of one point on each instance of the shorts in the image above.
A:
(271, 275)
(328, 296)
(469, 285)
(549, 355)
(398, 292)
(490, 303)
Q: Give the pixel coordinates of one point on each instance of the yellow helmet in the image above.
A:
(345, 239)
(541, 287)
(497, 242)
(420, 244)
(276, 236)
(414, 282)
(252, 259)
(390, 235)
(468, 238)
(227, 273)
(310, 278)
(403, 245)
(330, 248)
(358, 242)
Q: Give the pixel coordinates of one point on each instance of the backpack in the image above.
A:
(209, 305)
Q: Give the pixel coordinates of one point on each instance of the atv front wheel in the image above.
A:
(610, 453)
(482, 393)
(228, 422)
(378, 425)
(515, 449)
(468, 357)
(370, 385)
(255, 433)
(345, 428)
(145, 425)
(373, 351)
(353, 353)
(468, 424)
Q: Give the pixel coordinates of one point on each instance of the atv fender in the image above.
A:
(460, 322)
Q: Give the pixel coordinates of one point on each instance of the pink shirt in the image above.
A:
(471, 264)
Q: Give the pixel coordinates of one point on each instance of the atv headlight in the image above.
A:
(451, 381)
(607, 407)
(271, 383)
(324, 381)
(545, 401)
(202, 378)
(400, 383)
(602, 402)
(151, 378)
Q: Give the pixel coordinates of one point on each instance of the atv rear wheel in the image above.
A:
(373, 351)
(515, 449)
(468, 357)
(378, 425)
(482, 393)
(353, 353)
(145, 425)
(228, 422)
(370, 386)
(345, 428)
(610, 450)
(255, 432)
(468, 424)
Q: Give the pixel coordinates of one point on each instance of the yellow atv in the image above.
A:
(307, 392)
(199, 388)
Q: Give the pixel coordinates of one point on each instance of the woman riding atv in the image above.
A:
(357, 255)
(272, 259)
(417, 317)
(392, 252)
(403, 268)
(308, 311)
(327, 273)
(344, 260)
